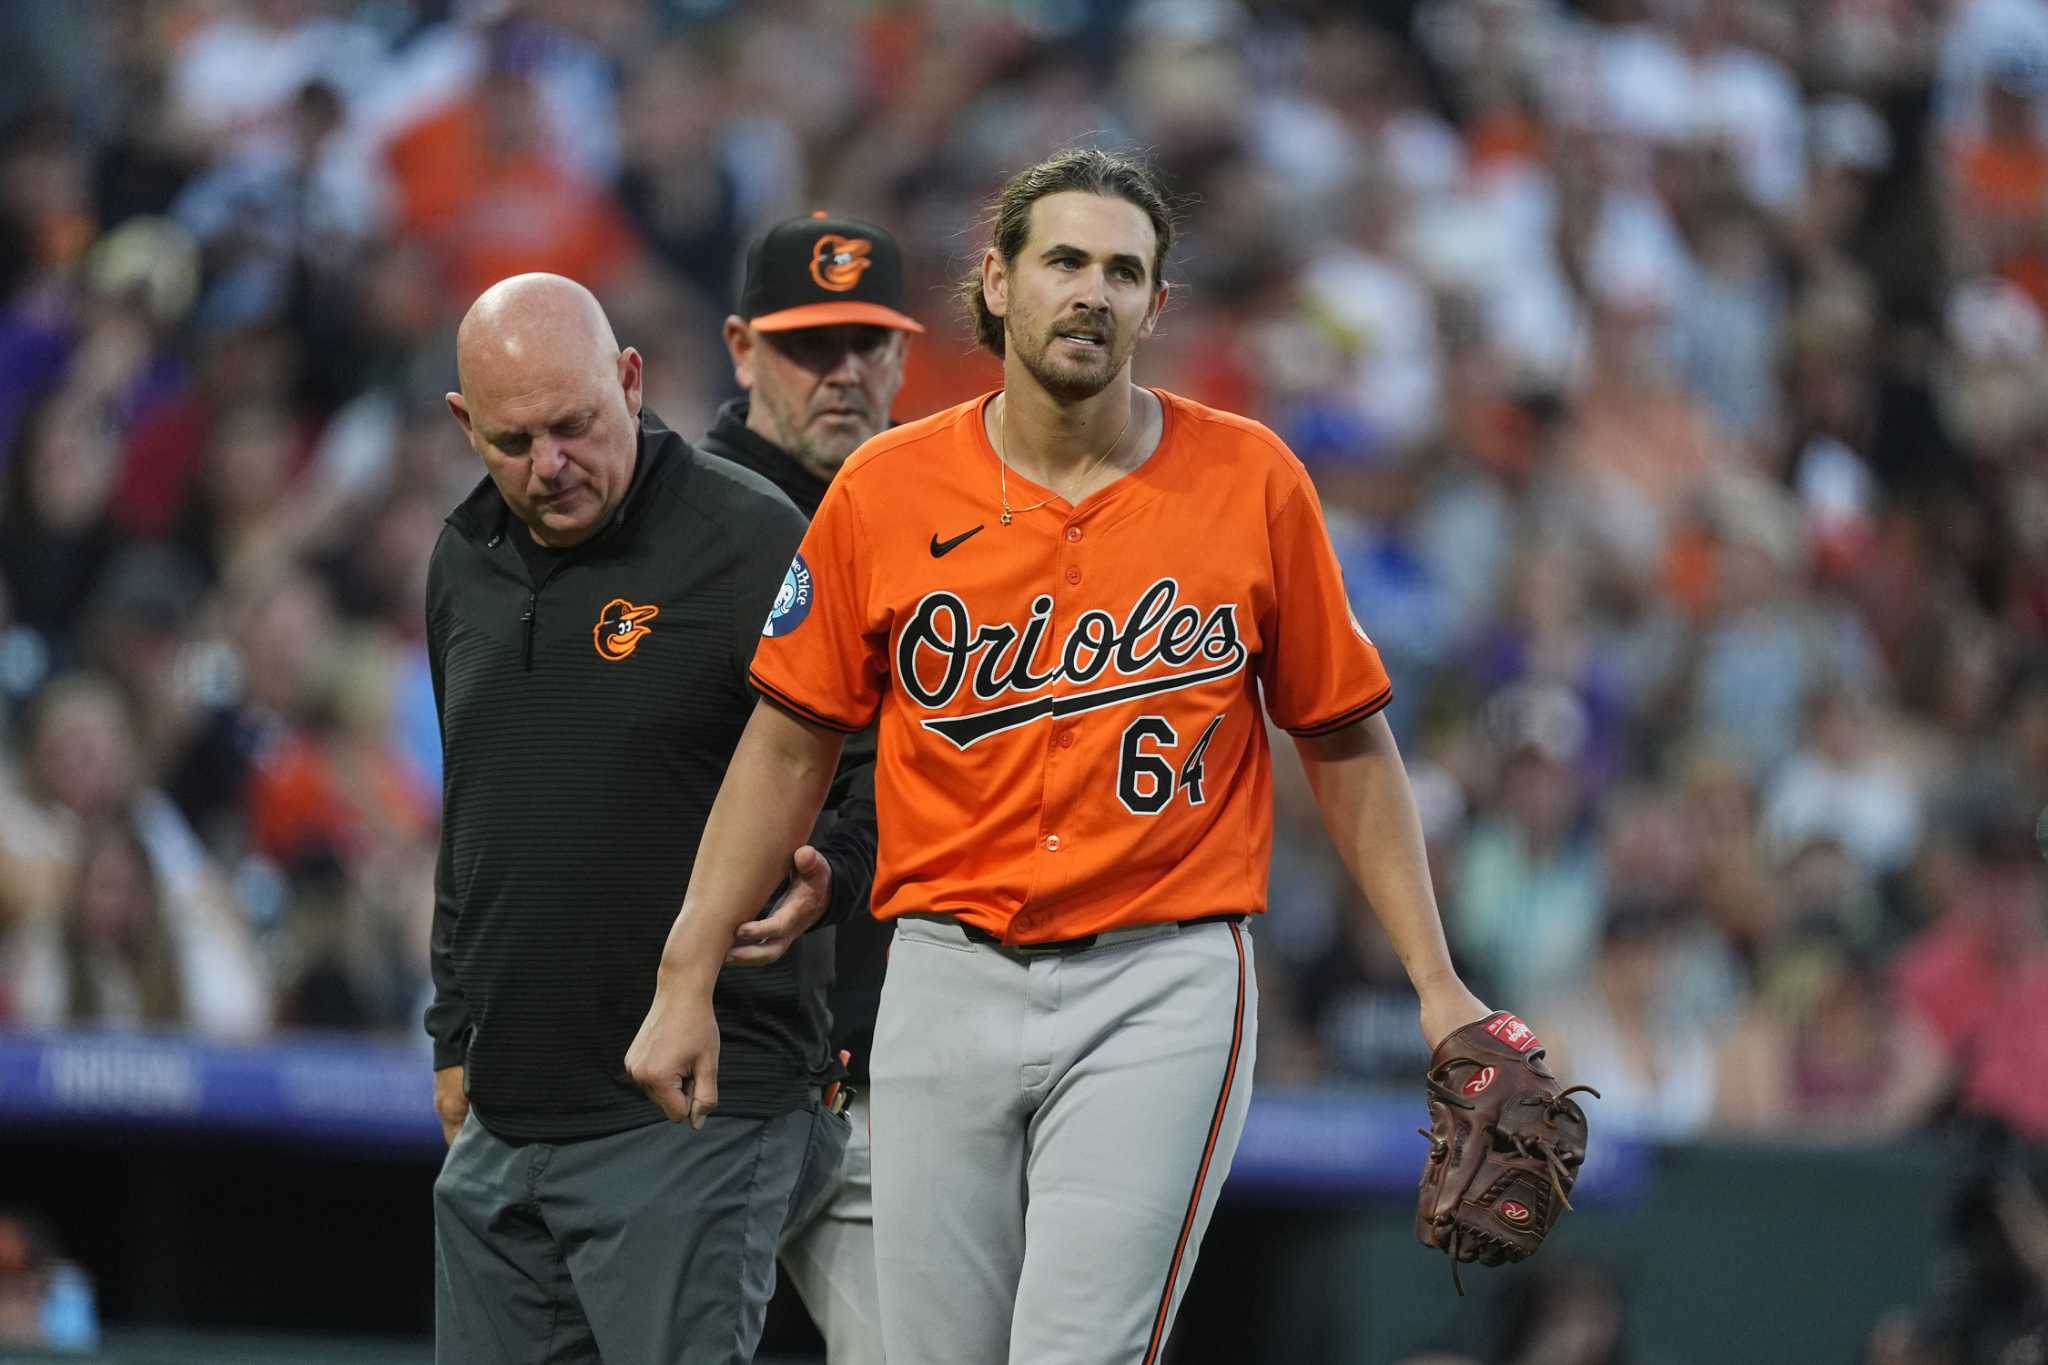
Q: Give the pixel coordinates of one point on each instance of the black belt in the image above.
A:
(976, 934)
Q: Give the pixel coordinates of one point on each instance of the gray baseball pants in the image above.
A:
(1051, 1130)
(828, 1253)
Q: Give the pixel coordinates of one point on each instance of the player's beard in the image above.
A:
(821, 446)
(1072, 378)
(828, 450)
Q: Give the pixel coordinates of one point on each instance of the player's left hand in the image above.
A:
(759, 942)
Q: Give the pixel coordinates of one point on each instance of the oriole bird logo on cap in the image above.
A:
(620, 628)
(838, 262)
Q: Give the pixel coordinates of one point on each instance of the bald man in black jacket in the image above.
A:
(591, 611)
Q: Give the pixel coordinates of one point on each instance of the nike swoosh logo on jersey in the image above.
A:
(942, 548)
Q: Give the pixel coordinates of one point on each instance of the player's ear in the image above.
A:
(739, 344)
(995, 283)
(1152, 313)
(460, 408)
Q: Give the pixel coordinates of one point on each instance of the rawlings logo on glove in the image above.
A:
(1505, 1145)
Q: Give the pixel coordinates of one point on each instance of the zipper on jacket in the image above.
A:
(526, 621)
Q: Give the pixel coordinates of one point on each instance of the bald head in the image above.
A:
(527, 320)
(550, 402)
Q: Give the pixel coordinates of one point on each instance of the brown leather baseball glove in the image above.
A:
(1505, 1145)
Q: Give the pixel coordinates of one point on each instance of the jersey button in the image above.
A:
(1052, 843)
(1066, 739)
(1073, 534)
(1073, 575)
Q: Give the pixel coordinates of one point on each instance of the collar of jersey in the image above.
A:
(1123, 495)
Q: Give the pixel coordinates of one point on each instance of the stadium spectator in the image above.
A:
(1654, 1069)
(1528, 889)
(83, 774)
(108, 959)
(1837, 784)
(1979, 974)
(456, 170)
(1825, 1052)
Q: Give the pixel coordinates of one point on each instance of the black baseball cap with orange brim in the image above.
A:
(824, 272)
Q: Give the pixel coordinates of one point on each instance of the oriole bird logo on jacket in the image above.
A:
(621, 627)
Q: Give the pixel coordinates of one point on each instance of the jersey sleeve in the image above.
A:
(823, 655)
(1319, 669)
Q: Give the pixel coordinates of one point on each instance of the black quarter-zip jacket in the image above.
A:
(862, 948)
(589, 706)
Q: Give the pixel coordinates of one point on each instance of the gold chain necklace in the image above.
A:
(1003, 460)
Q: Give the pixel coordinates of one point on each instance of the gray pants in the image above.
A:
(1050, 1133)
(829, 1254)
(652, 1245)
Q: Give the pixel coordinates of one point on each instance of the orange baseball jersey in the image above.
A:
(1071, 737)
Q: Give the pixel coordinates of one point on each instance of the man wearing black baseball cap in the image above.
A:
(819, 343)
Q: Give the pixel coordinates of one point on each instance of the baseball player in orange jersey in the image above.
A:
(1072, 604)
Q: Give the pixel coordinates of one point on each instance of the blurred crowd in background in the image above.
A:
(1674, 372)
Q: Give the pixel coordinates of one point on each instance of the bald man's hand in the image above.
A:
(451, 1100)
(759, 942)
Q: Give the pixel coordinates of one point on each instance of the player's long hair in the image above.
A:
(1087, 169)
